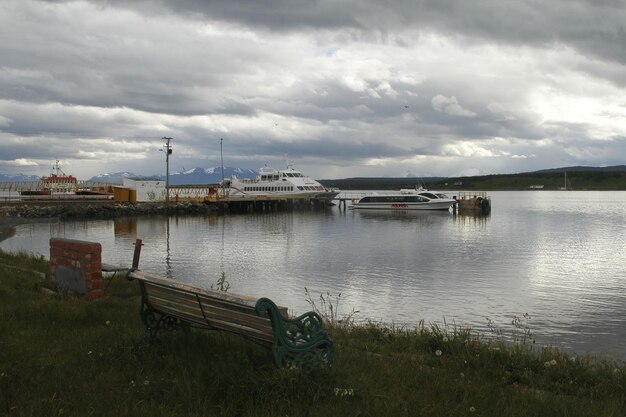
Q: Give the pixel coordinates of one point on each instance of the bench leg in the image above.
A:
(156, 321)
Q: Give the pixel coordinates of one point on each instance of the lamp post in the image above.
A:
(222, 160)
(168, 151)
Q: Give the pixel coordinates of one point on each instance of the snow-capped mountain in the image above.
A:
(116, 177)
(17, 177)
(195, 176)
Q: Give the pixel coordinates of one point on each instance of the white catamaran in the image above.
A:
(272, 183)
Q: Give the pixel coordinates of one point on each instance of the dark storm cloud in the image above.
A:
(596, 28)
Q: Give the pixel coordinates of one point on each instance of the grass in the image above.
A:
(63, 356)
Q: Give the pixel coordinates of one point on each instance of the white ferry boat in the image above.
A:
(272, 183)
(406, 199)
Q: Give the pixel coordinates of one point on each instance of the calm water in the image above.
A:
(557, 256)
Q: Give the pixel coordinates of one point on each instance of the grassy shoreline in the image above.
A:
(64, 356)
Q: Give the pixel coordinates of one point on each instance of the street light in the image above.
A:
(222, 160)
(167, 148)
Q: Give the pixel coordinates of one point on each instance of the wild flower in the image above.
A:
(445, 339)
(89, 353)
(107, 322)
(472, 409)
(146, 382)
(344, 392)
(438, 352)
(553, 362)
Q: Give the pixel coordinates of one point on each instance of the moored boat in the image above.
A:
(272, 183)
(405, 199)
(56, 183)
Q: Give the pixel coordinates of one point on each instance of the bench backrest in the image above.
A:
(215, 309)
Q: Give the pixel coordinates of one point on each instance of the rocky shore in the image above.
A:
(13, 215)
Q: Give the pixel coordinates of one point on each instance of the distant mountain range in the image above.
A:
(615, 168)
(214, 175)
(194, 176)
(17, 177)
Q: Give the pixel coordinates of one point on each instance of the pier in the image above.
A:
(35, 191)
(472, 202)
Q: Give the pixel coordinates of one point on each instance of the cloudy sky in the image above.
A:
(342, 88)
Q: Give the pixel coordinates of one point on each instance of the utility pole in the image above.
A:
(168, 151)
(222, 159)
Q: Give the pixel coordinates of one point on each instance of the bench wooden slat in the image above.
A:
(177, 301)
(213, 316)
(237, 299)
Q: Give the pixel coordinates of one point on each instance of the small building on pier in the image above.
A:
(140, 190)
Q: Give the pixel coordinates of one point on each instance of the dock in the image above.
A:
(472, 202)
(477, 202)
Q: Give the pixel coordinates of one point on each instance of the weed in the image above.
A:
(222, 283)
(328, 309)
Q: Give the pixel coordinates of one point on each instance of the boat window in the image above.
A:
(393, 199)
(300, 187)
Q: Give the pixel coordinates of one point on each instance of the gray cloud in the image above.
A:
(345, 89)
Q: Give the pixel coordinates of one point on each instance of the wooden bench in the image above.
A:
(298, 342)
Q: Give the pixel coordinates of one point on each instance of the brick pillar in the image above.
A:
(76, 266)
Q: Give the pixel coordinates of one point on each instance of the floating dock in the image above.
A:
(472, 201)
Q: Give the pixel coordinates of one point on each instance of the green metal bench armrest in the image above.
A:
(300, 342)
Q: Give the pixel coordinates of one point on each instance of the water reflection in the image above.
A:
(412, 216)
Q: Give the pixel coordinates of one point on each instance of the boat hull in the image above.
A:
(431, 205)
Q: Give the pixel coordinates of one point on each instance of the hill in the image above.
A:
(579, 178)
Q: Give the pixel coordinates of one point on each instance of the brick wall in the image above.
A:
(76, 266)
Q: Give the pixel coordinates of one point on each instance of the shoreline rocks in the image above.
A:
(11, 213)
